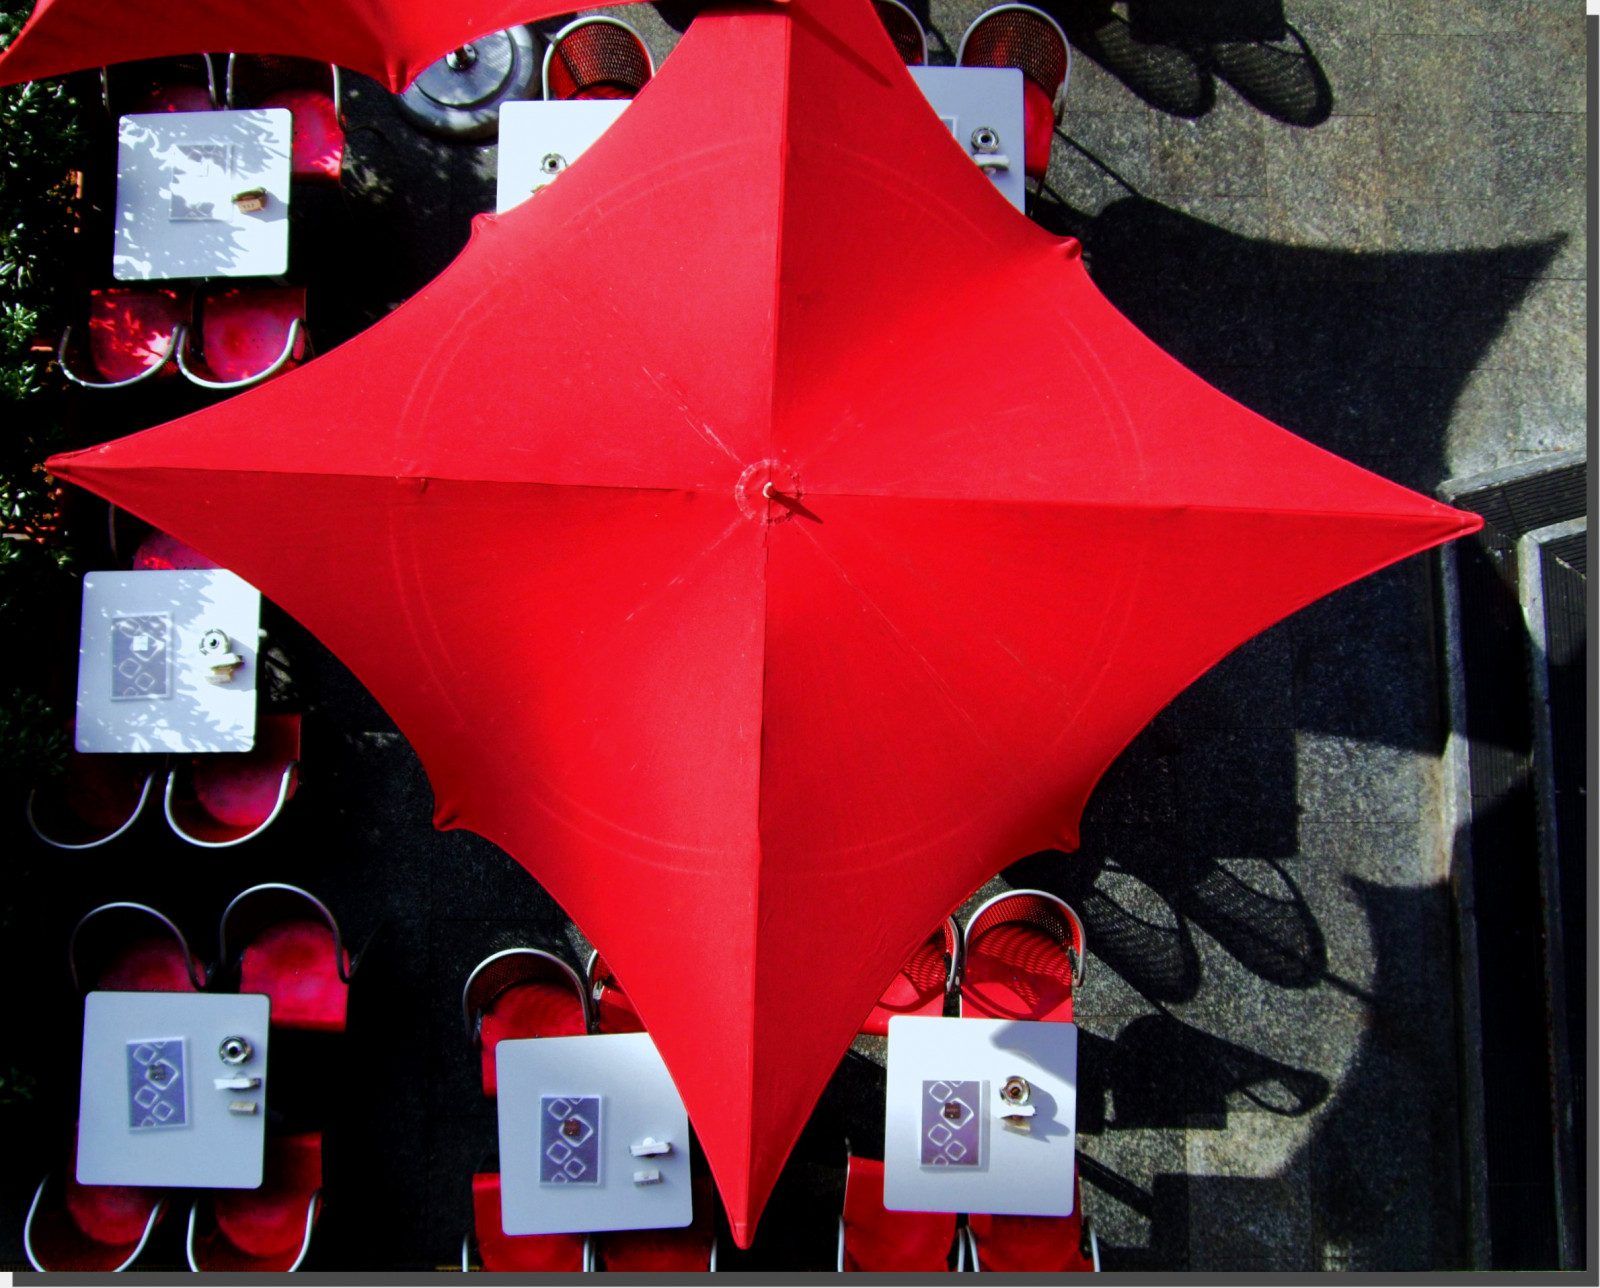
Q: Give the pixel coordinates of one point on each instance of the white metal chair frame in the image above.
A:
(297, 333)
(33, 1207)
(198, 974)
(468, 1011)
(174, 349)
(555, 42)
(1082, 951)
(230, 964)
(144, 795)
(312, 1207)
(284, 786)
(333, 68)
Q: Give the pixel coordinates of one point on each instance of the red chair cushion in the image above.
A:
(917, 988)
(614, 1013)
(131, 329)
(244, 330)
(687, 1248)
(535, 1008)
(176, 98)
(264, 1229)
(318, 147)
(233, 793)
(498, 1250)
(1038, 125)
(293, 963)
(1018, 1244)
(162, 552)
(111, 1214)
(878, 1239)
(153, 965)
(96, 1227)
(1015, 971)
(95, 796)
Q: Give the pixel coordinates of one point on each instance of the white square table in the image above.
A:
(972, 99)
(582, 1123)
(946, 1145)
(150, 1110)
(539, 139)
(142, 683)
(177, 176)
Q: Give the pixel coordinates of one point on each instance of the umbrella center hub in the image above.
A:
(768, 492)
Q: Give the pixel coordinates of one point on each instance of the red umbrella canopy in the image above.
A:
(821, 537)
(389, 40)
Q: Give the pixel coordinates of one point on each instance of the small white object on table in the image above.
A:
(159, 1105)
(954, 1141)
(539, 139)
(202, 194)
(153, 674)
(593, 1136)
(972, 100)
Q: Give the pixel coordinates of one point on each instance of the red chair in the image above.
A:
(268, 1228)
(160, 552)
(131, 948)
(95, 800)
(525, 1253)
(921, 984)
(521, 993)
(905, 29)
(1034, 1244)
(1024, 961)
(613, 1012)
(312, 92)
(1022, 958)
(90, 1229)
(596, 57)
(161, 85)
(283, 941)
(135, 334)
(688, 1249)
(875, 1239)
(225, 798)
(1018, 35)
(247, 335)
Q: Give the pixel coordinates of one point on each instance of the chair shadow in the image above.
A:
(1170, 55)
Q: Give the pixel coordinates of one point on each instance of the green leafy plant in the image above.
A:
(40, 136)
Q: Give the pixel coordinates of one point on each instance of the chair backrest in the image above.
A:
(1021, 36)
(520, 1252)
(186, 84)
(249, 333)
(596, 57)
(1049, 912)
(97, 798)
(905, 29)
(160, 551)
(104, 937)
(875, 1239)
(252, 911)
(508, 968)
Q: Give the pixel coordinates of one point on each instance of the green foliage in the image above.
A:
(39, 139)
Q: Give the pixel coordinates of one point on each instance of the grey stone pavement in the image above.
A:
(1375, 238)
